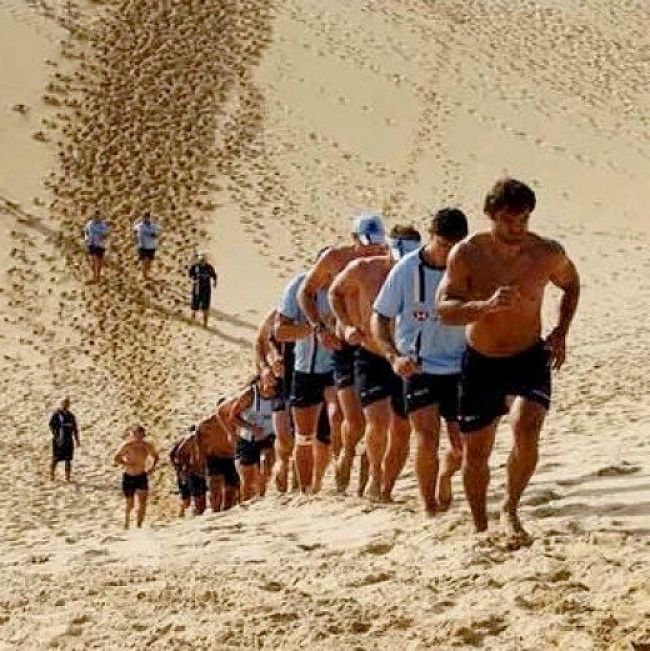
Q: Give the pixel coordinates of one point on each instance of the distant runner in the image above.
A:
(95, 233)
(146, 235)
(65, 434)
(204, 277)
(134, 456)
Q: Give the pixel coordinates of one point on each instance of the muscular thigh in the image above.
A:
(378, 413)
(350, 404)
(305, 419)
(527, 417)
(426, 420)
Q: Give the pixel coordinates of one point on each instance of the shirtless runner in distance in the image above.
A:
(494, 284)
(216, 438)
(133, 455)
(381, 391)
(368, 240)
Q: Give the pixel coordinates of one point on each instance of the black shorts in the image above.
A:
(249, 453)
(191, 485)
(426, 389)
(95, 251)
(133, 483)
(344, 366)
(308, 389)
(225, 467)
(201, 299)
(377, 380)
(62, 452)
(487, 381)
(146, 254)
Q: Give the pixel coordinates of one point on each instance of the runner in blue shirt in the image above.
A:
(146, 235)
(426, 353)
(312, 386)
(95, 233)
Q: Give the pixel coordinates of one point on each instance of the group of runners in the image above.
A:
(146, 235)
(385, 338)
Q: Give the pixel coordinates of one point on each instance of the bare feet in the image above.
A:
(511, 525)
(342, 475)
(374, 492)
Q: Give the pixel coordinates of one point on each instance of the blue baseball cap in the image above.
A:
(369, 228)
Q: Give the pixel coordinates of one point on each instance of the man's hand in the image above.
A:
(505, 298)
(353, 335)
(404, 366)
(277, 367)
(556, 346)
(328, 339)
(267, 378)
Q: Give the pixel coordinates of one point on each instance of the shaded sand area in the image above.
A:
(254, 130)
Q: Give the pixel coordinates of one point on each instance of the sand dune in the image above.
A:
(253, 130)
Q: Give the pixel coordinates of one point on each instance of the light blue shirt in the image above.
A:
(95, 233)
(146, 234)
(310, 355)
(408, 296)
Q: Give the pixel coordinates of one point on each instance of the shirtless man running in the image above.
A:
(216, 438)
(134, 456)
(368, 240)
(381, 391)
(494, 284)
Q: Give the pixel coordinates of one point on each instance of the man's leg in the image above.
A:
(397, 453)
(377, 417)
(216, 483)
(305, 420)
(451, 462)
(142, 506)
(128, 507)
(249, 475)
(183, 506)
(283, 448)
(426, 423)
(68, 470)
(352, 430)
(527, 420)
(266, 469)
(199, 504)
(53, 464)
(477, 447)
(206, 313)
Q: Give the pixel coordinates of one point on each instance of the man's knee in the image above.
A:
(304, 440)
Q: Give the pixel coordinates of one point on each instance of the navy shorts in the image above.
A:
(133, 483)
(146, 254)
(223, 467)
(249, 453)
(308, 389)
(201, 299)
(96, 251)
(344, 366)
(487, 381)
(425, 389)
(377, 380)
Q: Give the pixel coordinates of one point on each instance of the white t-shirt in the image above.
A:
(147, 234)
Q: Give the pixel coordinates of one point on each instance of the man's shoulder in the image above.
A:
(547, 245)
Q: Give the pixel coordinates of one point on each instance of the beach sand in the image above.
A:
(254, 130)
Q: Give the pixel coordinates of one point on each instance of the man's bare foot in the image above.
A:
(281, 481)
(430, 510)
(374, 492)
(444, 492)
(342, 476)
(511, 524)
(316, 487)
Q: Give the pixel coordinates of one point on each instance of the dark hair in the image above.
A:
(402, 232)
(510, 195)
(450, 223)
(322, 252)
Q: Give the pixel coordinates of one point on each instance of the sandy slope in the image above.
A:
(319, 109)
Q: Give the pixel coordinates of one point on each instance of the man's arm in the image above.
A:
(566, 277)
(316, 279)
(213, 275)
(380, 327)
(454, 307)
(344, 285)
(262, 341)
(75, 431)
(53, 422)
(118, 458)
(285, 329)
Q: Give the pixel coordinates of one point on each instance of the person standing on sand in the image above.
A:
(381, 390)
(65, 434)
(368, 236)
(425, 353)
(204, 277)
(134, 455)
(146, 234)
(95, 233)
(494, 285)
(188, 461)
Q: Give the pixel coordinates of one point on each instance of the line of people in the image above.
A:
(387, 336)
